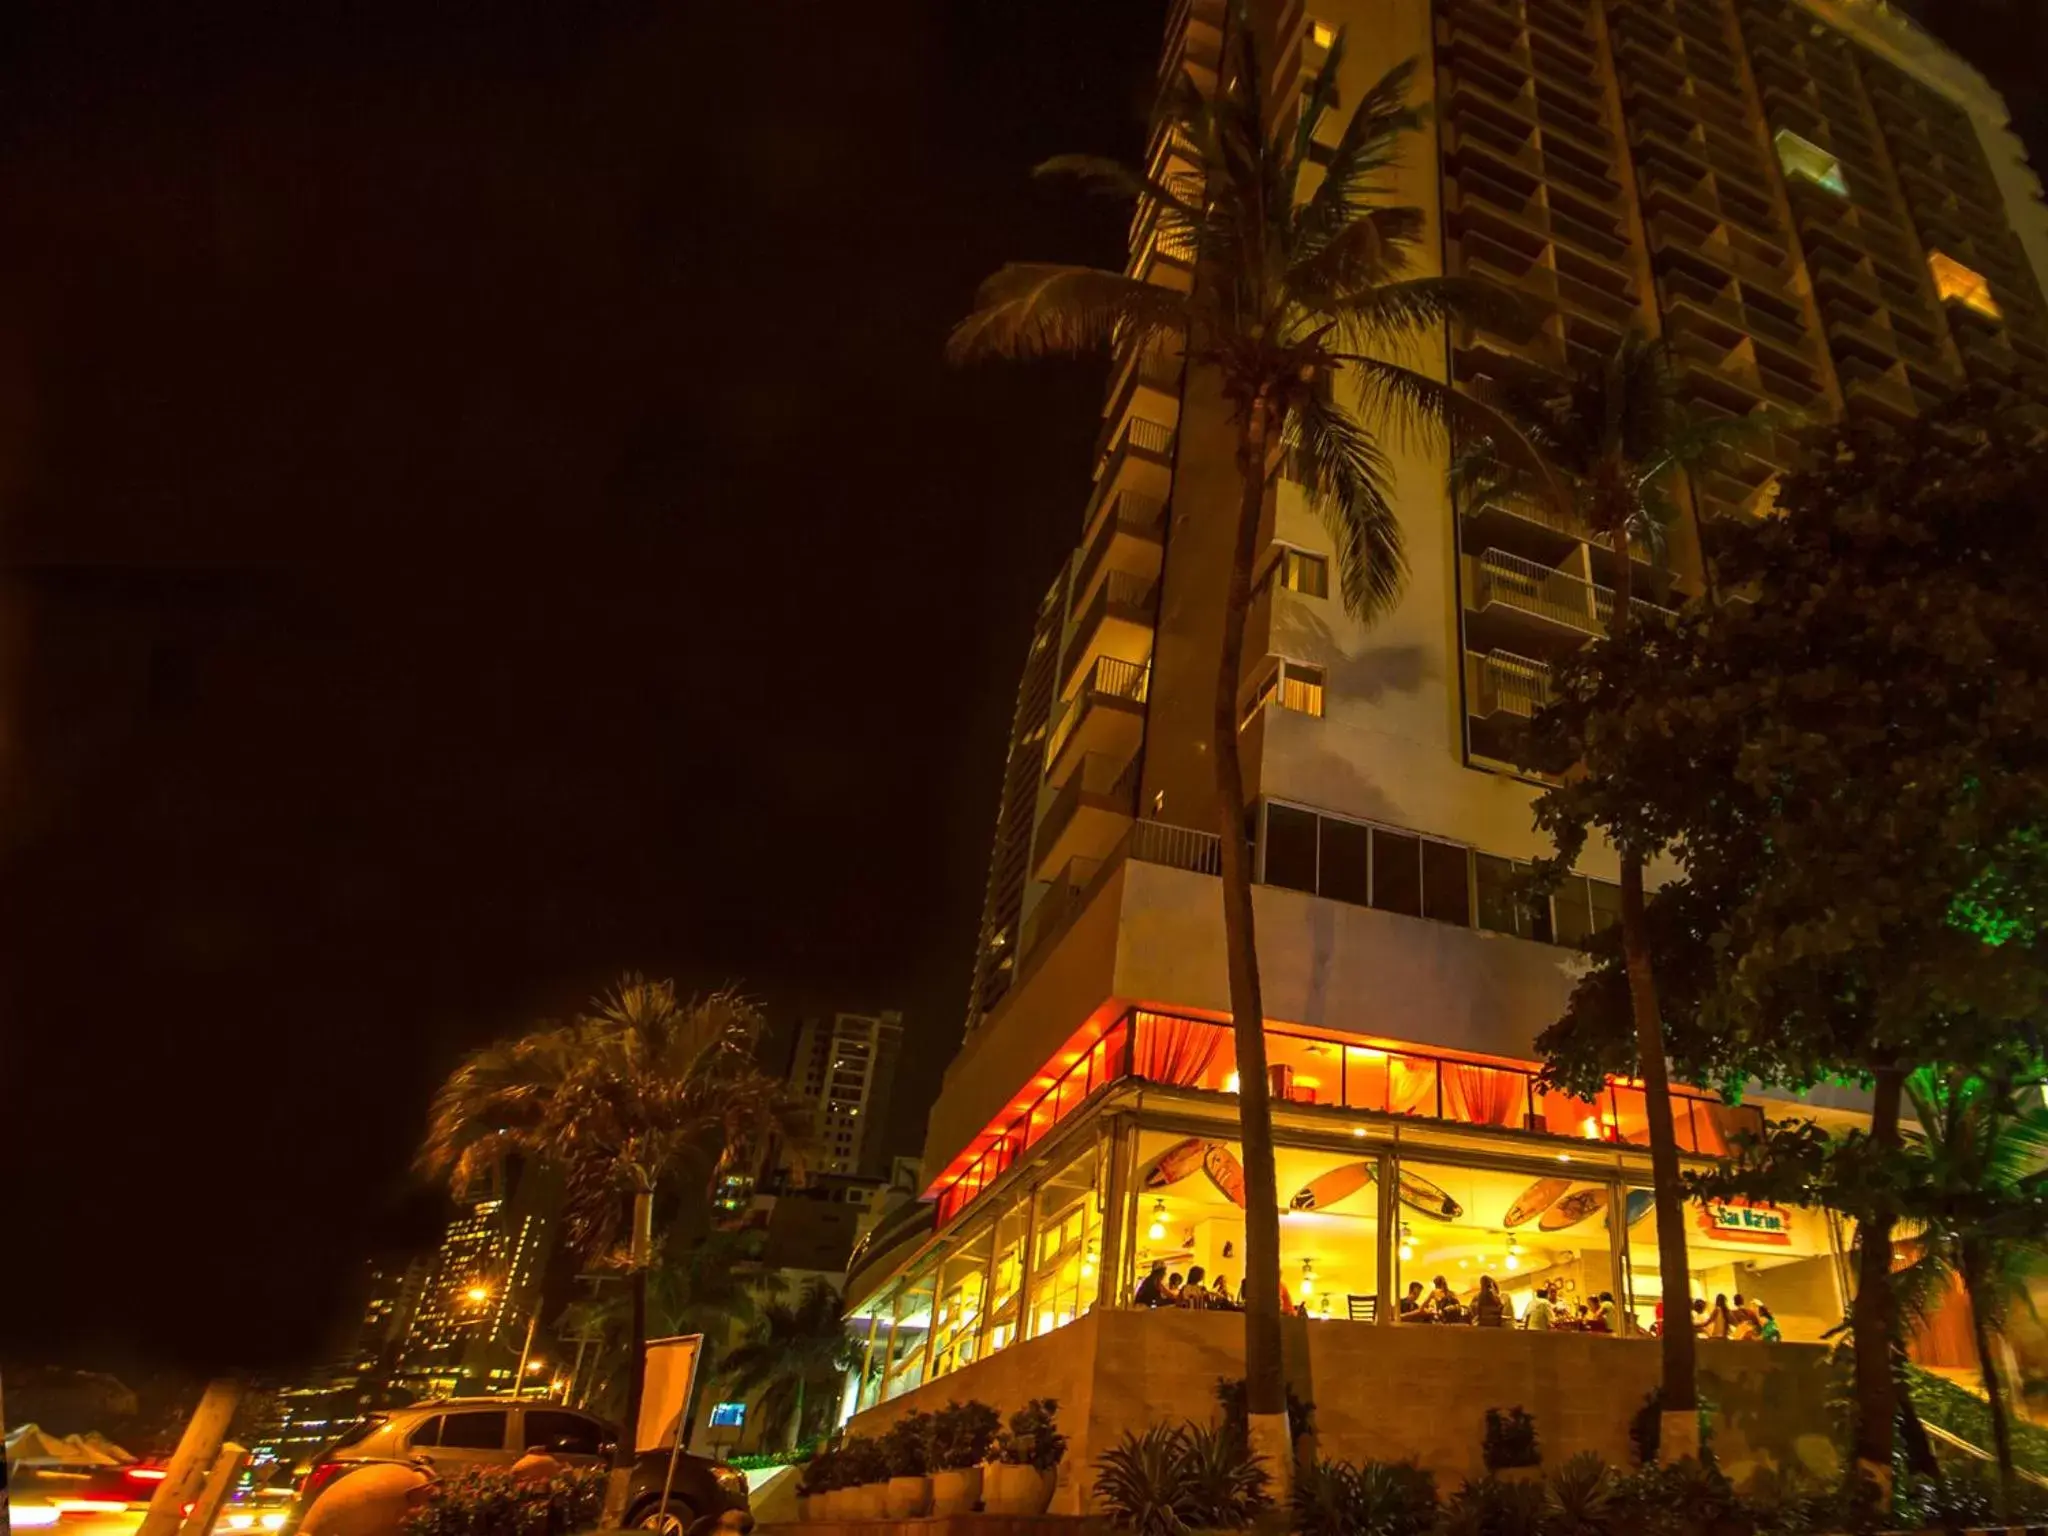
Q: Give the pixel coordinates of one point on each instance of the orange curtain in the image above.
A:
(1484, 1096)
(1178, 1052)
(1411, 1086)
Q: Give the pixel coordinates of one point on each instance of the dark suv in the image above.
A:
(450, 1435)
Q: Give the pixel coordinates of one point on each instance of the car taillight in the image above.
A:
(316, 1481)
(146, 1474)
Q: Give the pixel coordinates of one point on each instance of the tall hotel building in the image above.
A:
(1818, 209)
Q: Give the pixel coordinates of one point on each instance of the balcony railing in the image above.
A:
(1512, 685)
(1548, 593)
(1111, 679)
(1131, 515)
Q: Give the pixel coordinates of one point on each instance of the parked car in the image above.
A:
(450, 1435)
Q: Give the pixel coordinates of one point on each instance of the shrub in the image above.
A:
(1382, 1498)
(1646, 1428)
(1489, 1507)
(820, 1474)
(1032, 1438)
(1580, 1499)
(862, 1461)
(492, 1502)
(1145, 1483)
(962, 1435)
(1684, 1499)
(1510, 1440)
(907, 1445)
(1228, 1482)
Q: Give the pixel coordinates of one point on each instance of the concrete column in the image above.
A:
(1029, 1264)
(185, 1478)
(1109, 1279)
(1390, 1225)
(220, 1482)
(1617, 1250)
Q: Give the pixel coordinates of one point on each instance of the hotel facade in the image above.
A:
(1820, 210)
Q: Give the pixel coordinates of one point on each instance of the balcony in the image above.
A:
(1507, 684)
(1106, 715)
(1088, 815)
(1130, 538)
(1117, 622)
(1544, 604)
(1538, 529)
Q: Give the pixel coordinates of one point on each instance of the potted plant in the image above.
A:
(907, 1447)
(1021, 1479)
(962, 1436)
(1509, 1448)
(866, 1480)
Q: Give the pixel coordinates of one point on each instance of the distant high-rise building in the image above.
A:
(483, 1286)
(845, 1066)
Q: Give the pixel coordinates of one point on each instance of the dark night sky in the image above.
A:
(482, 508)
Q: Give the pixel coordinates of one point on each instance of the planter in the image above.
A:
(957, 1491)
(825, 1506)
(1009, 1489)
(909, 1497)
(873, 1501)
(806, 1507)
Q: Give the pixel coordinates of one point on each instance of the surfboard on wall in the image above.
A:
(1175, 1163)
(1573, 1209)
(1535, 1200)
(1427, 1199)
(1640, 1203)
(1224, 1171)
(1324, 1191)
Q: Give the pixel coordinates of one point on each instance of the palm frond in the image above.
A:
(1178, 195)
(1369, 147)
(1392, 314)
(1372, 250)
(1346, 476)
(1036, 309)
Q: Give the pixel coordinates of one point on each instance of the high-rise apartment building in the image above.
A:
(845, 1066)
(1818, 209)
(483, 1288)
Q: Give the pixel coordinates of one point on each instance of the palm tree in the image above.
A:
(1980, 1159)
(1613, 437)
(1298, 284)
(639, 1090)
(796, 1347)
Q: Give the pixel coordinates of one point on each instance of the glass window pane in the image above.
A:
(477, 1431)
(1485, 1095)
(1346, 852)
(1396, 872)
(1574, 910)
(1290, 848)
(427, 1435)
(1446, 894)
(1605, 896)
(1496, 882)
(554, 1430)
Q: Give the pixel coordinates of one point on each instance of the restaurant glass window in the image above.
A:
(1304, 1071)
(1291, 848)
(1778, 1258)
(1522, 1230)
(910, 1321)
(1344, 870)
(1006, 1293)
(1446, 883)
(1067, 1245)
(1560, 1114)
(1183, 1053)
(1396, 872)
(956, 1322)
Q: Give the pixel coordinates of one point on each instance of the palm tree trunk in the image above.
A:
(1264, 1372)
(636, 1357)
(1994, 1390)
(796, 1433)
(1679, 1431)
(1874, 1315)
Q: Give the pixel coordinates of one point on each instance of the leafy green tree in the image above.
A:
(1305, 287)
(794, 1357)
(1977, 1189)
(639, 1090)
(1613, 437)
(1850, 766)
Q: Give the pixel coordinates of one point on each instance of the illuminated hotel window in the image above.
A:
(1290, 684)
(1322, 34)
(1953, 280)
(1801, 157)
(1299, 571)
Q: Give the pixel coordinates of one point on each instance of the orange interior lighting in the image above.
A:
(1953, 280)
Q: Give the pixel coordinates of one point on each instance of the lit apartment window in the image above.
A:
(1321, 34)
(1802, 157)
(1290, 684)
(1299, 571)
(1953, 280)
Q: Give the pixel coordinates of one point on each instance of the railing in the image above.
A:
(1545, 514)
(1141, 517)
(1124, 593)
(1512, 685)
(1110, 678)
(1159, 842)
(1549, 593)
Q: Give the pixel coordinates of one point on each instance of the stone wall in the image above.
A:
(1388, 1393)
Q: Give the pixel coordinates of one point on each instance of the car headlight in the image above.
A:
(732, 1480)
